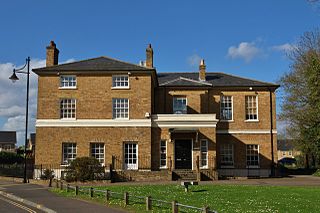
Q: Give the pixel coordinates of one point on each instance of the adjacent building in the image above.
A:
(141, 121)
(8, 140)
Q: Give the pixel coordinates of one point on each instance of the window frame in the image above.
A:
(173, 105)
(207, 154)
(221, 108)
(246, 109)
(258, 154)
(166, 153)
(114, 109)
(65, 111)
(63, 86)
(128, 166)
(97, 154)
(224, 164)
(74, 155)
(114, 82)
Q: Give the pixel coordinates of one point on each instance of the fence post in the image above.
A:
(148, 203)
(108, 195)
(77, 190)
(68, 187)
(91, 192)
(206, 209)
(174, 207)
(61, 185)
(126, 198)
(57, 184)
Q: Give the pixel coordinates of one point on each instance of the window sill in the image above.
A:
(226, 121)
(251, 121)
(120, 88)
(120, 119)
(68, 119)
(68, 88)
(227, 167)
(204, 167)
(163, 168)
(253, 167)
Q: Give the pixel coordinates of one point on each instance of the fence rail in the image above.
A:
(126, 197)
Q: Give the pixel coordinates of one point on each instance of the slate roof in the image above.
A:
(8, 137)
(95, 64)
(212, 79)
(285, 145)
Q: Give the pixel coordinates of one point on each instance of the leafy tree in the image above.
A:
(10, 158)
(84, 169)
(301, 104)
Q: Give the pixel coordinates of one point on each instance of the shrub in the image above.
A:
(84, 169)
(10, 158)
(317, 173)
(47, 174)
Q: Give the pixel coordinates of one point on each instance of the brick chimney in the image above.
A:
(52, 54)
(202, 70)
(149, 59)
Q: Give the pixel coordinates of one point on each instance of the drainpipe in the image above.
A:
(271, 135)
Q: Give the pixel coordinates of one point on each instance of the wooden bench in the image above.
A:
(186, 184)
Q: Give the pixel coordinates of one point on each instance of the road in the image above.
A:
(36, 196)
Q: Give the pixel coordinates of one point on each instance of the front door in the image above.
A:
(183, 157)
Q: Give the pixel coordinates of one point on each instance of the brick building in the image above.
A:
(145, 122)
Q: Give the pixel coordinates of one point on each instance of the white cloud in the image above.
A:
(13, 98)
(194, 60)
(245, 50)
(284, 47)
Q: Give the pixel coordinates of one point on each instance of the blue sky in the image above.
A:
(247, 38)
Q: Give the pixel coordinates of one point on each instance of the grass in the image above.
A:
(222, 198)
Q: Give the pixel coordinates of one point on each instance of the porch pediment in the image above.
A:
(184, 120)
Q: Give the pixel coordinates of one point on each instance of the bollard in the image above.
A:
(148, 203)
(57, 184)
(206, 209)
(61, 185)
(77, 190)
(68, 187)
(126, 198)
(108, 195)
(174, 207)
(91, 192)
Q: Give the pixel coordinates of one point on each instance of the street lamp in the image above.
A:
(14, 78)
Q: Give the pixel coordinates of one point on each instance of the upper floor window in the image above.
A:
(120, 108)
(69, 152)
(68, 81)
(120, 81)
(253, 155)
(204, 153)
(226, 108)
(179, 105)
(163, 154)
(226, 155)
(252, 107)
(68, 108)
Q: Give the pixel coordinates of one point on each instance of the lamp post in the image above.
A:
(14, 78)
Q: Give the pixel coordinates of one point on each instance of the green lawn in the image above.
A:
(222, 198)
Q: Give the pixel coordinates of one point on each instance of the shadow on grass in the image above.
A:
(201, 190)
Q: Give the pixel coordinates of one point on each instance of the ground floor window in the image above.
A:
(131, 155)
(97, 151)
(253, 155)
(204, 153)
(226, 155)
(163, 154)
(69, 152)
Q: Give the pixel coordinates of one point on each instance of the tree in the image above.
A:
(301, 104)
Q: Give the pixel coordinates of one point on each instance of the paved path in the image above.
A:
(41, 196)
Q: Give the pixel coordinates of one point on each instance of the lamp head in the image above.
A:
(14, 77)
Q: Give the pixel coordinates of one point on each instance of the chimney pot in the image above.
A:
(149, 58)
(202, 70)
(52, 54)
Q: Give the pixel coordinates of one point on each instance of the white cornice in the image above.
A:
(184, 120)
(93, 123)
(246, 131)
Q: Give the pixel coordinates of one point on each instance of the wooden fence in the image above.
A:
(149, 201)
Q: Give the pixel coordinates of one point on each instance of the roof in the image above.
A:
(285, 144)
(212, 79)
(95, 64)
(8, 137)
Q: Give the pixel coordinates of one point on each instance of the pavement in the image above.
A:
(19, 197)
